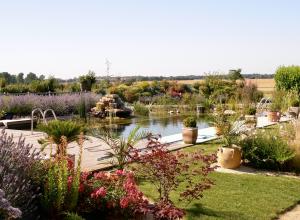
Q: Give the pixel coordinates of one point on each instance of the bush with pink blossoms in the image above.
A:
(110, 194)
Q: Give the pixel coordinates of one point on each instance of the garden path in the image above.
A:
(292, 214)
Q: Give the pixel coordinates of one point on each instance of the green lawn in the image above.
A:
(239, 196)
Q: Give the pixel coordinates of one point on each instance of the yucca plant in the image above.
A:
(120, 146)
(56, 129)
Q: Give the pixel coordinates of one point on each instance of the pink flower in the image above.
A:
(81, 187)
(120, 172)
(101, 192)
(70, 180)
(124, 203)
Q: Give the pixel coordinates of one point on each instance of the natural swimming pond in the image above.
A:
(166, 125)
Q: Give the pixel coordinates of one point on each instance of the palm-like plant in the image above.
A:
(120, 146)
(57, 129)
(229, 126)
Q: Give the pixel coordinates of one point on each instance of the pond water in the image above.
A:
(157, 125)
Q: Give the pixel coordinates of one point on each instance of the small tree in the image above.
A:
(87, 81)
(169, 171)
(235, 74)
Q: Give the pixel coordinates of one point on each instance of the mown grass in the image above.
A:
(237, 196)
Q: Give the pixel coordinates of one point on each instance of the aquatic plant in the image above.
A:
(140, 109)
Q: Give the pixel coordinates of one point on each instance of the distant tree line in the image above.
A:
(31, 82)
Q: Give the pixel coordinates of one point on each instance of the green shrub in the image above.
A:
(251, 111)
(72, 216)
(266, 150)
(190, 122)
(140, 109)
(87, 81)
(295, 103)
(288, 78)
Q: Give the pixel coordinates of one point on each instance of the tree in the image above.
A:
(42, 77)
(235, 74)
(87, 81)
(31, 77)
(20, 78)
(288, 78)
(2, 82)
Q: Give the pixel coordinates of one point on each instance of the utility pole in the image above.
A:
(108, 64)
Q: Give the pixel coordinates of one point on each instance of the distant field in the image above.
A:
(265, 85)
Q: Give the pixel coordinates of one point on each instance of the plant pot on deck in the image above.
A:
(294, 111)
(229, 157)
(190, 135)
(274, 116)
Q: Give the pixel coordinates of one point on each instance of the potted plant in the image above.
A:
(294, 109)
(190, 130)
(229, 155)
(278, 104)
(218, 119)
(274, 112)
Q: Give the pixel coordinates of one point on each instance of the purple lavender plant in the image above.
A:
(62, 104)
(6, 210)
(18, 174)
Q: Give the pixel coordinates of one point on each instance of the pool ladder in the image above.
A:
(43, 113)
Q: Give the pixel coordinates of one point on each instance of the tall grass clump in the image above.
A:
(140, 109)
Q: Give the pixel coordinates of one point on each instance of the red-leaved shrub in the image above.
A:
(168, 170)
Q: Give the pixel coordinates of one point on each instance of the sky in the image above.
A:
(67, 38)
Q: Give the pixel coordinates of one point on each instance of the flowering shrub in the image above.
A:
(6, 210)
(111, 194)
(168, 171)
(18, 174)
(267, 149)
(61, 104)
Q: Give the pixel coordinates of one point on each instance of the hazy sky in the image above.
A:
(66, 38)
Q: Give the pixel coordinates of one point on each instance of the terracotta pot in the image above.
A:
(229, 157)
(189, 135)
(274, 116)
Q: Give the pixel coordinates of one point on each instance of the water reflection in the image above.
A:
(164, 125)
